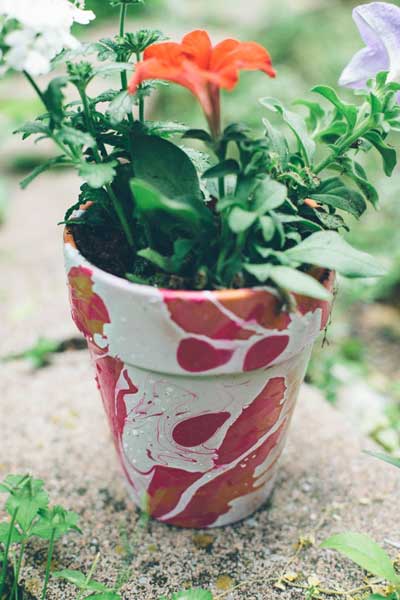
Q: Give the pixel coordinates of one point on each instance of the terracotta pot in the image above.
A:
(199, 387)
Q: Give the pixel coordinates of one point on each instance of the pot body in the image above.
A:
(199, 387)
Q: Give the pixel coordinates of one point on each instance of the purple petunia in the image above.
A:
(379, 26)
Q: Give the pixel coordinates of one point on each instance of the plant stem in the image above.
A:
(6, 552)
(116, 203)
(36, 88)
(141, 99)
(48, 564)
(90, 575)
(17, 571)
(348, 141)
(121, 215)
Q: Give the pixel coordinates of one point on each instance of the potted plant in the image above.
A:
(201, 278)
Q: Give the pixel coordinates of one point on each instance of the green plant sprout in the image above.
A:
(366, 553)
(27, 505)
(87, 586)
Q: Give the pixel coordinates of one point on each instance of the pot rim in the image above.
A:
(149, 290)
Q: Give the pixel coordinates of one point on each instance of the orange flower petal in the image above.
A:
(197, 45)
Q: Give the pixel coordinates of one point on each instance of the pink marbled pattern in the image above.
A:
(198, 387)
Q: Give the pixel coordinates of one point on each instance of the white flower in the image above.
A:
(41, 33)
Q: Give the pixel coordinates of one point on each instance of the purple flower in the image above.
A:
(379, 26)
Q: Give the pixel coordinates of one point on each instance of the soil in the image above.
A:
(106, 249)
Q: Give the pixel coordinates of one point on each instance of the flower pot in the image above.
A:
(199, 387)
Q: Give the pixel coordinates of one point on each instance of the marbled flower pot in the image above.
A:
(199, 387)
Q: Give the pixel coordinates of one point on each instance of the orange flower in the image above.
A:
(202, 68)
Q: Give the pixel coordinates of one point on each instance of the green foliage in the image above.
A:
(266, 209)
(388, 459)
(366, 553)
(30, 516)
(191, 595)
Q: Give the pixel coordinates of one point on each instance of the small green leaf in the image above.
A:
(328, 249)
(268, 228)
(150, 202)
(167, 168)
(362, 550)
(297, 125)
(278, 143)
(44, 166)
(391, 460)
(75, 137)
(226, 167)
(79, 580)
(54, 98)
(259, 271)
(316, 112)
(299, 283)
(348, 111)
(334, 193)
(106, 596)
(98, 174)
(198, 134)
(389, 155)
(120, 107)
(55, 522)
(269, 195)
(33, 127)
(5, 531)
(193, 595)
(28, 496)
(240, 220)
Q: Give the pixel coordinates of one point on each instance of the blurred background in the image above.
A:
(357, 366)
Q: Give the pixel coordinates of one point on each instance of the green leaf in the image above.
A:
(111, 68)
(193, 595)
(28, 496)
(44, 166)
(268, 228)
(362, 550)
(269, 194)
(165, 129)
(328, 249)
(54, 98)
(356, 173)
(98, 174)
(240, 220)
(4, 533)
(106, 596)
(75, 137)
(391, 460)
(278, 143)
(168, 169)
(151, 202)
(55, 522)
(334, 193)
(297, 125)
(31, 128)
(298, 282)
(389, 155)
(169, 264)
(198, 134)
(348, 111)
(316, 113)
(259, 271)
(120, 107)
(304, 224)
(79, 580)
(226, 167)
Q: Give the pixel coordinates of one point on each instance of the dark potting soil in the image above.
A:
(108, 249)
(105, 248)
